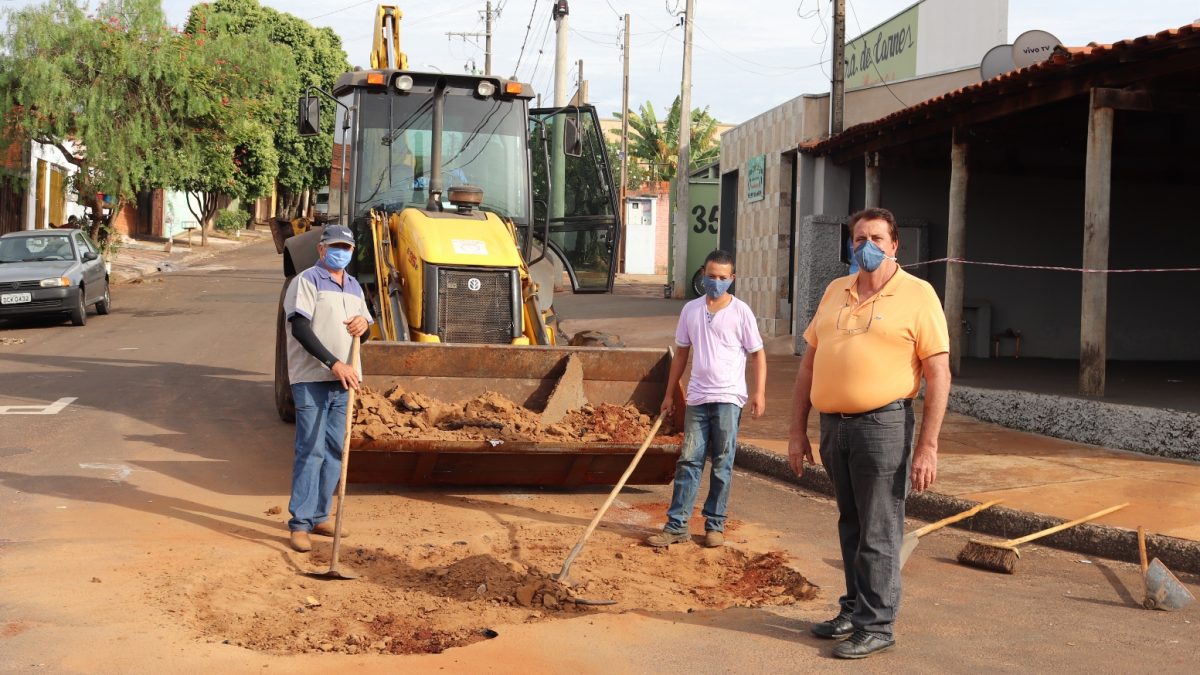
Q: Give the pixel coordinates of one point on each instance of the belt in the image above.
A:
(900, 404)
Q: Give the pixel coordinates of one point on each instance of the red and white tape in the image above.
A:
(1052, 268)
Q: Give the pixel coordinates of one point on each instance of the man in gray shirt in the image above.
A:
(326, 312)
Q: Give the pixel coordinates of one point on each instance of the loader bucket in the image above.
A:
(526, 375)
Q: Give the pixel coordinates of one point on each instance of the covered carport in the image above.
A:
(1059, 200)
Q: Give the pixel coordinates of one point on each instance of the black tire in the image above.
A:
(284, 403)
(79, 311)
(698, 282)
(104, 304)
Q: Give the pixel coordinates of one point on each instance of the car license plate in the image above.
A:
(15, 298)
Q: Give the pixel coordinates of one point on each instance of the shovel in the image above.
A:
(333, 572)
(913, 538)
(1163, 590)
(561, 577)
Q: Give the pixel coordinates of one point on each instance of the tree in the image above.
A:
(637, 174)
(317, 59)
(101, 88)
(134, 104)
(655, 144)
(227, 145)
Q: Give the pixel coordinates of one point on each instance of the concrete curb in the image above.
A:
(1154, 431)
(131, 267)
(1114, 543)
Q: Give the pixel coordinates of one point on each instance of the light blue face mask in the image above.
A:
(715, 288)
(337, 258)
(869, 256)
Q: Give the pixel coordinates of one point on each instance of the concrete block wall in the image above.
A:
(820, 241)
(764, 227)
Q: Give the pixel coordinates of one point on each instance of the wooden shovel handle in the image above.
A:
(1059, 528)
(922, 531)
(1142, 549)
(566, 567)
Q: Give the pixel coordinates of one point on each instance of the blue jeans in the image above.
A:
(869, 459)
(709, 431)
(320, 428)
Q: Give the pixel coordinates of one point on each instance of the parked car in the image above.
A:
(52, 272)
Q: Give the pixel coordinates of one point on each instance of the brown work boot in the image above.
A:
(665, 538)
(325, 529)
(300, 541)
(713, 539)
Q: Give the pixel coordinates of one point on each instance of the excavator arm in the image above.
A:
(385, 49)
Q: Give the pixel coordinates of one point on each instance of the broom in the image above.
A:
(1002, 556)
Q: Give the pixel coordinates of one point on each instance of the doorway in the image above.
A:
(639, 235)
(727, 239)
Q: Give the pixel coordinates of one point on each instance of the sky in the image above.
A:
(748, 55)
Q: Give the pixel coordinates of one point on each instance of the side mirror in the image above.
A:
(89, 256)
(309, 120)
(572, 140)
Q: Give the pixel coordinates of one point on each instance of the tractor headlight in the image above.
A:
(55, 283)
(485, 89)
(404, 83)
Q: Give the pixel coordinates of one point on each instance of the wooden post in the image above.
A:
(956, 225)
(871, 199)
(1093, 320)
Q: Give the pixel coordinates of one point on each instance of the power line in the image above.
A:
(340, 9)
(742, 58)
(542, 47)
(873, 62)
(528, 27)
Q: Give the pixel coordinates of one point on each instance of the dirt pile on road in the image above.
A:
(423, 589)
(400, 414)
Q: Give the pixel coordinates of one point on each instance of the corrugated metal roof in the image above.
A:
(1062, 64)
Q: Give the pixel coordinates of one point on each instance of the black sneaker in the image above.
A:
(861, 645)
(836, 628)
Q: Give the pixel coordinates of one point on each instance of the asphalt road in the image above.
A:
(171, 448)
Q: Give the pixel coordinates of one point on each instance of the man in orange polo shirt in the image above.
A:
(873, 337)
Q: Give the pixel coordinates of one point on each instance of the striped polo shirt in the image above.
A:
(315, 295)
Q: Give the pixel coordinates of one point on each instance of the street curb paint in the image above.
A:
(1114, 543)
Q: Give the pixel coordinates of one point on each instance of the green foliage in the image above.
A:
(315, 58)
(135, 104)
(654, 145)
(638, 174)
(232, 220)
(107, 82)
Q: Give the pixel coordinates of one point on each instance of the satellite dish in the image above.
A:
(1033, 46)
(997, 61)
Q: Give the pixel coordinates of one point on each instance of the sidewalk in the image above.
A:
(1042, 477)
(136, 259)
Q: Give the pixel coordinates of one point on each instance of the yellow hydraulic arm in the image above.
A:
(385, 50)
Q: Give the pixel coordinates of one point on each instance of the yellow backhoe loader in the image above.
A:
(467, 206)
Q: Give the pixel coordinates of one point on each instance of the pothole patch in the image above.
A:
(429, 596)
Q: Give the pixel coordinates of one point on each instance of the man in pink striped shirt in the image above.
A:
(723, 333)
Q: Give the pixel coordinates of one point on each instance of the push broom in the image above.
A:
(1002, 556)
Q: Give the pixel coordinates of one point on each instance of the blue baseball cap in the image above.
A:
(337, 234)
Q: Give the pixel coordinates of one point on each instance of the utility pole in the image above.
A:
(558, 166)
(581, 92)
(487, 50)
(679, 250)
(624, 191)
(561, 10)
(487, 35)
(837, 99)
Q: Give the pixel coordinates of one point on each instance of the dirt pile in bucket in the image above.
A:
(401, 414)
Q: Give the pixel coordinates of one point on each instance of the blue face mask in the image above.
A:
(337, 258)
(869, 256)
(715, 288)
